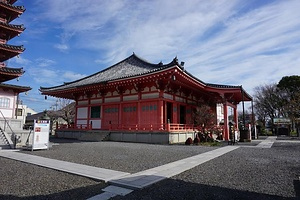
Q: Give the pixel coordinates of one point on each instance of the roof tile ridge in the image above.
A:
(222, 85)
(19, 68)
(20, 8)
(15, 26)
(14, 47)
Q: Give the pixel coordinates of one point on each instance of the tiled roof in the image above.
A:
(222, 86)
(11, 70)
(15, 87)
(12, 7)
(129, 67)
(7, 73)
(11, 1)
(132, 66)
(13, 27)
(12, 47)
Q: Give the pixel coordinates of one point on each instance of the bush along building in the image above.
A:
(138, 101)
(9, 94)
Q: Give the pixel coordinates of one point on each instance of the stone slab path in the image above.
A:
(73, 168)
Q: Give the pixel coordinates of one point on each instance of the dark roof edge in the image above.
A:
(15, 86)
(222, 86)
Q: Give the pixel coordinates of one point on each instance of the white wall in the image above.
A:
(82, 113)
(220, 113)
(9, 113)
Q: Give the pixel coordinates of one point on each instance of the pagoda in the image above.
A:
(139, 101)
(9, 93)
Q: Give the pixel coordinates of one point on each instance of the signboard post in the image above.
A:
(41, 134)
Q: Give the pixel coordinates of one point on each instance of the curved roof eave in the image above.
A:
(153, 68)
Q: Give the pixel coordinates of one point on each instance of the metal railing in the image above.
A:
(13, 134)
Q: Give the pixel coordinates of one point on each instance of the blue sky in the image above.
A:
(234, 42)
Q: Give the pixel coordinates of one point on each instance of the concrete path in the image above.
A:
(267, 143)
(145, 178)
(73, 168)
(111, 191)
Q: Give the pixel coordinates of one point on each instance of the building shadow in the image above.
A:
(297, 188)
(168, 189)
(64, 140)
(180, 190)
(76, 194)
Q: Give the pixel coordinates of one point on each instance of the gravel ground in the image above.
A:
(126, 157)
(24, 181)
(246, 173)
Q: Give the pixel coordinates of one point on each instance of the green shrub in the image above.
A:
(293, 133)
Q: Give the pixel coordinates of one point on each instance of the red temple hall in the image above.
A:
(135, 100)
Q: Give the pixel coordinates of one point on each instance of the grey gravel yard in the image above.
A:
(245, 173)
(20, 180)
(120, 156)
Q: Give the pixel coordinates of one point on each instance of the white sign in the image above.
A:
(282, 121)
(41, 134)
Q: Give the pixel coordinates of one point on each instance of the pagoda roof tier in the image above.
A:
(134, 70)
(9, 31)
(16, 88)
(8, 51)
(11, 1)
(10, 11)
(7, 73)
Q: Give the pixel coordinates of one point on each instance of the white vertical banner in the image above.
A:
(41, 134)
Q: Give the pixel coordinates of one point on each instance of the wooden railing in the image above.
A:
(74, 127)
(169, 127)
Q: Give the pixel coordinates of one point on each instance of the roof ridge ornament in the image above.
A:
(175, 59)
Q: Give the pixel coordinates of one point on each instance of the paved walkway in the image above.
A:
(73, 168)
(267, 143)
(145, 178)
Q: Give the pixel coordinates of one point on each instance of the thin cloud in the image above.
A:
(71, 76)
(61, 47)
(44, 62)
(20, 60)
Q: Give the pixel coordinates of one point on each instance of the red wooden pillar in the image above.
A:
(102, 114)
(89, 111)
(120, 111)
(175, 108)
(139, 110)
(160, 111)
(76, 111)
(226, 130)
(235, 116)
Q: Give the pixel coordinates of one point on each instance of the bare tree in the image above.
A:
(205, 119)
(268, 102)
(65, 109)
